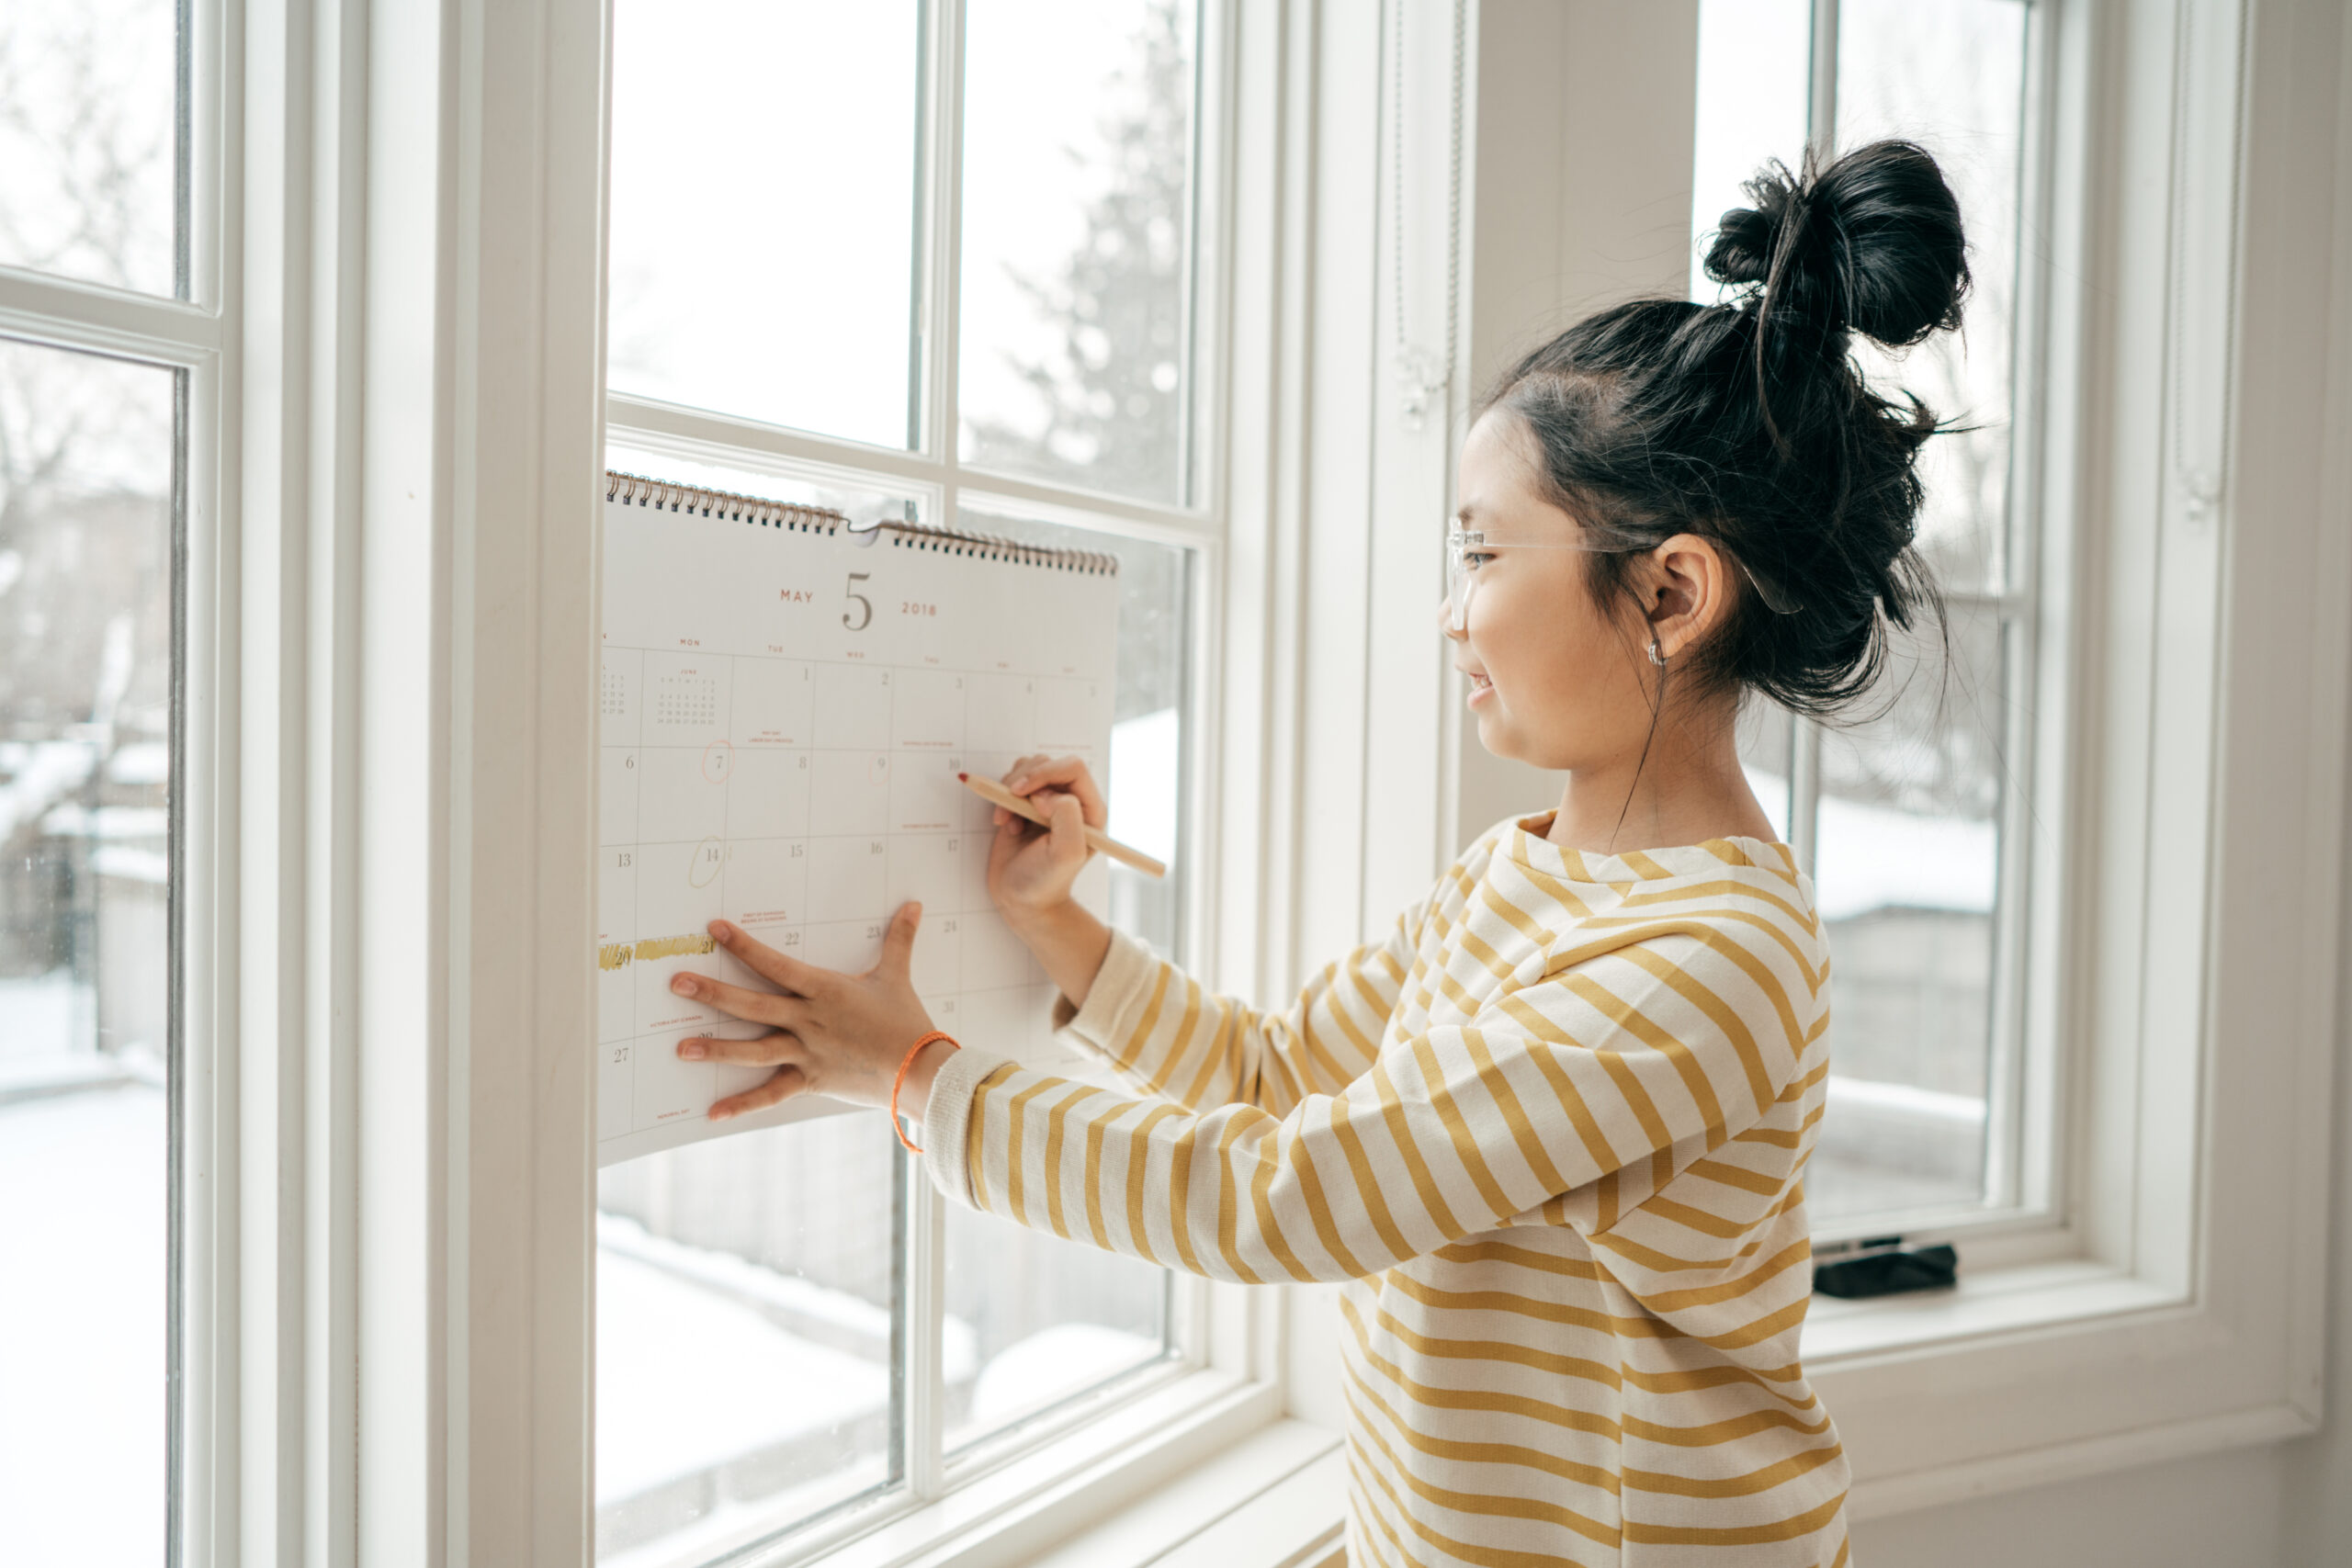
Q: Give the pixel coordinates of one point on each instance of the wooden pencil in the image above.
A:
(996, 793)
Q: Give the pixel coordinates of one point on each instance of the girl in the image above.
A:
(1551, 1130)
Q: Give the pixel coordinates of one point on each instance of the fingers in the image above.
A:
(802, 979)
(766, 1051)
(1069, 829)
(760, 1007)
(1031, 774)
(899, 942)
(787, 1082)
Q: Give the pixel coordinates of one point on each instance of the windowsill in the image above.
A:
(1853, 1335)
(1274, 1500)
(1108, 1470)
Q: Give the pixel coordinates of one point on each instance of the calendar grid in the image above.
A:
(761, 766)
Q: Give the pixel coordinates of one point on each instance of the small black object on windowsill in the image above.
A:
(1880, 1266)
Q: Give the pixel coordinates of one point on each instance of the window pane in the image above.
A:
(745, 1292)
(1755, 59)
(745, 1348)
(1076, 359)
(85, 707)
(1033, 1319)
(1766, 734)
(1950, 75)
(89, 141)
(1907, 876)
(763, 193)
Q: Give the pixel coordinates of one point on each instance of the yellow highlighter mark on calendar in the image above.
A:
(655, 947)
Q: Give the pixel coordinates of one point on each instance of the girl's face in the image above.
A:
(1555, 679)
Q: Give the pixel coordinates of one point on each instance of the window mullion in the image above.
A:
(925, 1300)
(1821, 110)
(69, 313)
(923, 1305)
(1804, 790)
(946, 166)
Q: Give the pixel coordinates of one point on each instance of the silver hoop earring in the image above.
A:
(1658, 654)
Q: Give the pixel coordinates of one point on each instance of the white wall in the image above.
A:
(1583, 115)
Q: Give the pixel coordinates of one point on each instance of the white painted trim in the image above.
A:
(204, 1511)
(2019, 1469)
(74, 314)
(1008, 1515)
(525, 315)
(2190, 1319)
(1261, 1503)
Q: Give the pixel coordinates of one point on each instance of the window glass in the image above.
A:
(90, 141)
(1908, 825)
(1766, 735)
(86, 650)
(1906, 874)
(764, 201)
(746, 1299)
(1076, 358)
(1150, 729)
(746, 1334)
(1755, 63)
(1903, 808)
(1950, 74)
(1033, 1318)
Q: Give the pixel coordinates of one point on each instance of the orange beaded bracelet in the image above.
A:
(900, 1082)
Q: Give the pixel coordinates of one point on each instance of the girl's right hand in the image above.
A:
(1031, 868)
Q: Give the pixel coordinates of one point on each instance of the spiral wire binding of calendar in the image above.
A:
(636, 489)
(996, 546)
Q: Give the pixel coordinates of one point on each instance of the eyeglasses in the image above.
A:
(1463, 546)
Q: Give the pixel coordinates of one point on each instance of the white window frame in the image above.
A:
(1172, 1413)
(395, 795)
(2158, 1291)
(2021, 1086)
(390, 660)
(2170, 1304)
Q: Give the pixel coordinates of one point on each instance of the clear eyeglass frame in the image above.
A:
(1461, 578)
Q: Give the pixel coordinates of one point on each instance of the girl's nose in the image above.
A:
(1445, 625)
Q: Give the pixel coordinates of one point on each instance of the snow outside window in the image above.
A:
(90, 151)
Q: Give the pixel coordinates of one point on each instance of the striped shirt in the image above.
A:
(1549, 1133)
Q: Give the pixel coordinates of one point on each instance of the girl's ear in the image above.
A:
(1690, 592)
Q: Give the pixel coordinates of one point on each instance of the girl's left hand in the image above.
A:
(838, 1035)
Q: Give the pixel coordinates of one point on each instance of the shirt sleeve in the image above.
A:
(1632, 1050)
(1167, 1038)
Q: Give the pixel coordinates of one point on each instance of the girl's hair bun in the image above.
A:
(1871, 244)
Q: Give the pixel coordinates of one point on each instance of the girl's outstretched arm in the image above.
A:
(1159, 1029)
(1631, 1054)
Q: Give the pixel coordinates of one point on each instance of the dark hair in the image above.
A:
(1748, 423)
